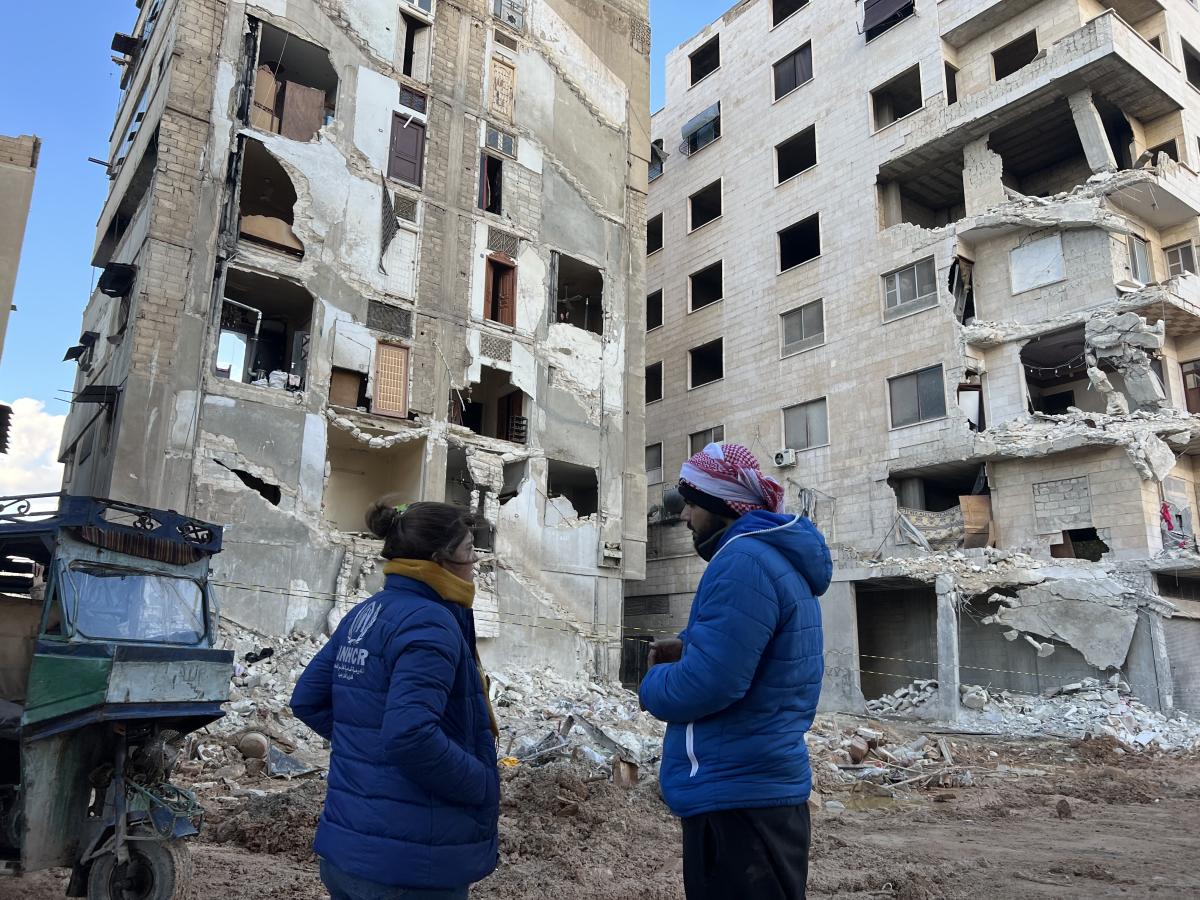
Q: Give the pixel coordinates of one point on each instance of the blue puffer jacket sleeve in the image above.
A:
(412, 732)
(312, 700)
(734, 621)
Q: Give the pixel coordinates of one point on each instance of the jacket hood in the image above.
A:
(796, 537)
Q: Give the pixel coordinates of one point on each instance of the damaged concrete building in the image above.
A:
(379, 247)
(935, 263)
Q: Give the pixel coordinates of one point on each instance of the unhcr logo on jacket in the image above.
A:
(352, 659)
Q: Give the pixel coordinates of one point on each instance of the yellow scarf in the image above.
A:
(454, 590)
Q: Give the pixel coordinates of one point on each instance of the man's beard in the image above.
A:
(703, 541)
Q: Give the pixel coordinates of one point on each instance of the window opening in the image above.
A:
(1181, 258)
(803, 328)
(911, 288)
(962, 288)
(506, 41)
(705, 205)
(1168, 147)
(917, 397)
(579, 298)
(510, 12)
(707, 363)
(491, 184)
(414, 100)
(654, 464)
(698, 440)
(573, 492)
(295, 86)
(1014, 56)
(897, 98)
(654, 310)
(500, 291)
(1156, 43)
(701, 130)
(793, 70)
(799, 243)
(406, 159)
(882, 15)
(951, 85)
(1139, 260)
(783, 9)
(797, 154)
(706, 60)
(707, 285)
(417, 35)
(501, 142)
(1191, 385)
(658, 158)
(654, 234)
(806, 425)
(264, 336)
(1191, 62)
(359, 475)
(266, 200)
(391, 381)
(654, 382)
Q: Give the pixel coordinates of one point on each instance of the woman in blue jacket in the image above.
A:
(414, 792)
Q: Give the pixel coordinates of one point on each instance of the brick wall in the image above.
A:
(1062, 505)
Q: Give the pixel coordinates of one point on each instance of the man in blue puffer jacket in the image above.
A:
(739, 687)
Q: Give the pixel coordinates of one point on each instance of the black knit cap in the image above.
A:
(708, 502)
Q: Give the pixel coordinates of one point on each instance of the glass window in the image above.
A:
(915, 284)
(804, 328)
(701, 439)
(793, 70)
(108, 603)
(654, 463)
(806, 425)
(1139, 260)
(917, 397)
(1181, 258)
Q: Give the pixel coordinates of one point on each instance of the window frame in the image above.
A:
(804, 405)
(1135, 240)
(661, 311)
(410, 121)
(692, 228)
(486, 154)
(816, 154)
(799, 84)
(693, 308)
(692, 386)
(996, 79)
(876, 128)
(662, 382)
(807, 343)
(775, 23)
(692, 79)
(661, 234)
(920, 302)
(1187, 245)
(709, 431)
(661, 467)
(780, 270)
(508, 263)
(915, 375)
(869, 38)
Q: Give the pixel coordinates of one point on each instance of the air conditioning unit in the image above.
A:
(785, 457)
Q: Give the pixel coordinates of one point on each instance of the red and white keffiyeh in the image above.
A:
(730, 473)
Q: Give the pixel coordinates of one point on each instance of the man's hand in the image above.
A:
(666, 651)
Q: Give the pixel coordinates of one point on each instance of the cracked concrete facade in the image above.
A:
(1008, 321)
(334, 230)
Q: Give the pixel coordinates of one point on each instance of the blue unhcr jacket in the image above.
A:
(414, 792)
(741, 699)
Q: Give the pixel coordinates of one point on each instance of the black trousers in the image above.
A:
(747, 854)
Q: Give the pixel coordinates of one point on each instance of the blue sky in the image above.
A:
(68, 99)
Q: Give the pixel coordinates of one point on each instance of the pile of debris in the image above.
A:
(906, 701)
(543, 717)
(1081, 709)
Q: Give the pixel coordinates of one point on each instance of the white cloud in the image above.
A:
(31, 465)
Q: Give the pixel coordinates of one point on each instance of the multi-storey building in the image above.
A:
(18, 166)
(370, 247)
(916, 256)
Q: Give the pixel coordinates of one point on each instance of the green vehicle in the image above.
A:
(107, 663)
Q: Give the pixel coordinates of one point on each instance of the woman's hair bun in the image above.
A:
(381, 518)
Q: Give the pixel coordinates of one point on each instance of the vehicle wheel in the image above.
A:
(157, 870)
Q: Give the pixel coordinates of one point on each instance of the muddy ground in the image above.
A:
(1127, 828)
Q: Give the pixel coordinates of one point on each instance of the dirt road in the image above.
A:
(1127, 829)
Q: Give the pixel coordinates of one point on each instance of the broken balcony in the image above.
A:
(265, 331)
(579, 294)
(359, 475)
(493, 407)
(266, 202)
(1106, 56)
(295, 86)
(944, 507)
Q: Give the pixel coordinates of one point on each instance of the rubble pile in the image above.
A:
(543, 716)
(906, 700)
(1081, 709)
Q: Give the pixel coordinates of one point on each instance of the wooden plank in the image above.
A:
(303, 111)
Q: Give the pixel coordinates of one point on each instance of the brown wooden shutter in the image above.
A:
(508, 296)
(303, 111)
(406, 160)
(391, 381)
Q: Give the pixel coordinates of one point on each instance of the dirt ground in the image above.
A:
(1127, 828)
